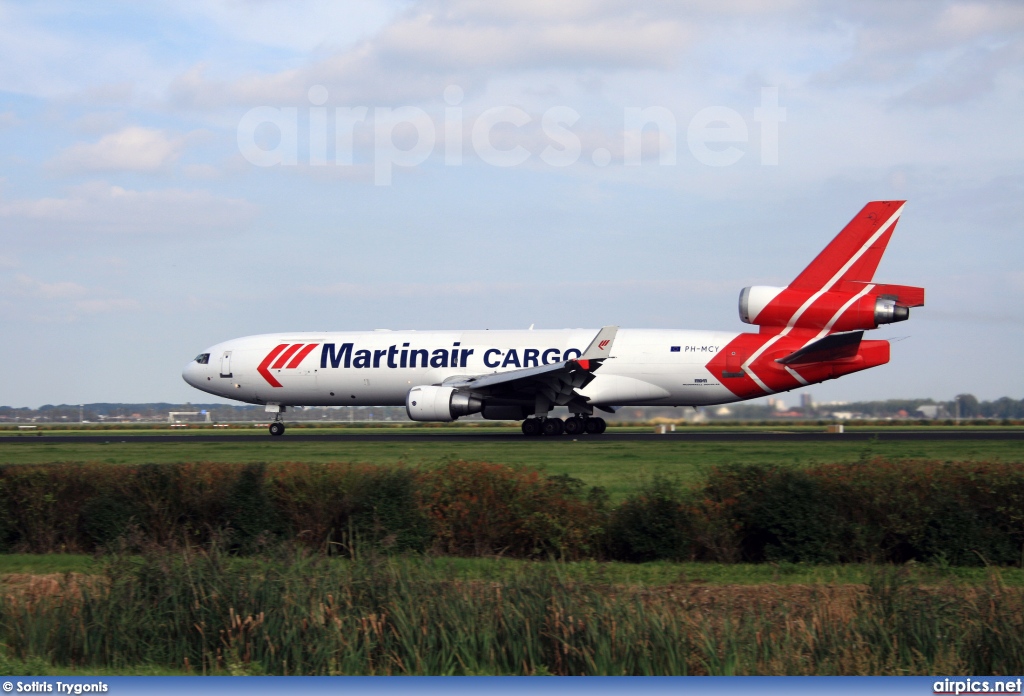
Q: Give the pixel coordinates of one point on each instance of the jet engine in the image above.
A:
(835, 310)
(430, 403)
(754, 299)
(888, 312)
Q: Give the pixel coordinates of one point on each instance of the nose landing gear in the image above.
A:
(277, 427)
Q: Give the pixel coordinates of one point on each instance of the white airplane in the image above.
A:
(809, 331)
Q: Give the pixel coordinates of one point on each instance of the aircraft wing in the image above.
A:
(556, 383)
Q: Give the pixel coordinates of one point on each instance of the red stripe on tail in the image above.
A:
(857, 243)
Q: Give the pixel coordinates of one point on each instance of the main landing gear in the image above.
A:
(574, 425)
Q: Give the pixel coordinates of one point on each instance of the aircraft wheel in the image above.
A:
(602, 425)
(593, 426)
(277, 429)
(553, 426)
(573, 425)
(531, 426)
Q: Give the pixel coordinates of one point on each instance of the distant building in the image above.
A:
(807, 404)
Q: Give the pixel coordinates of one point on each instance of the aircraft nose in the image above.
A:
(190, 374)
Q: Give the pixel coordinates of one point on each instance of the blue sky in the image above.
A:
(134, 231)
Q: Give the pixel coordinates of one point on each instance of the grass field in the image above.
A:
(17, 566)
(747, 619)
(618, 466)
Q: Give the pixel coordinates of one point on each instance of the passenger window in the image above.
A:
(203, 358)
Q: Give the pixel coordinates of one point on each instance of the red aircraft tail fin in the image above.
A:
(855, 252)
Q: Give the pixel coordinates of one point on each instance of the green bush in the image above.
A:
(780, 514)
(343, 508)
(880, 511)
(387, 515)
(653, 525)
(107, 517)
(962, 513)
(249, 515)
(477, 508)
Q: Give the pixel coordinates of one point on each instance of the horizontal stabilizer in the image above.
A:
(905, 295)
(834, 347)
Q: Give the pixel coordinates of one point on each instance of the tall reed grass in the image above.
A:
(291, 611)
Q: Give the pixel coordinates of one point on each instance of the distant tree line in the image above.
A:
(969, 407)
(966, 406)
(158, 412)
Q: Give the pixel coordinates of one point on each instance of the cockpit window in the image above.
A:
(203, 358)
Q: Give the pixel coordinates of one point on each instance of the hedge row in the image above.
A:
(460, 508)
(957, 513)
(960, 513)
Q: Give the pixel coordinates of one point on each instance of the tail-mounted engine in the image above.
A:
(849, 307)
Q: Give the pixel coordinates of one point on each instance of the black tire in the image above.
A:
(573, 425)
(553, 426)
(593, 426)
(277, 429)
(602, 425)
(531, 427)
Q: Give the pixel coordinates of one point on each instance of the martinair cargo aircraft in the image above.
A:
(809, 331)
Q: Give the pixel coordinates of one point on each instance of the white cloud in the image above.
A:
(101, 207)
(434, 44)
(99, 122)
(481, 288)
(453, 40)
(42, 54)
(131, 149)
(68, 295)
(299, 25)
(30, 287)
(971, 74)
(99, 305)
(962, 21)
(9, 119)
(201, 171)
(930, 53)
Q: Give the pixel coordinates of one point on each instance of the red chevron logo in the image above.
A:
(603, 344)
(283, 356)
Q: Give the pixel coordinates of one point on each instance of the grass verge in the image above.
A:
(21, 568)
(619, 467)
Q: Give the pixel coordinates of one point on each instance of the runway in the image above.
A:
(296, 435)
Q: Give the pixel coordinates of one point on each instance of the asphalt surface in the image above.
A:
(296, 435)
